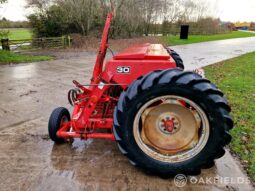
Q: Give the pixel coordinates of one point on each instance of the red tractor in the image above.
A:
(165, 120)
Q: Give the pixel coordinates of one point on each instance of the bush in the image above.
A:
(52, 24)
(4, 34)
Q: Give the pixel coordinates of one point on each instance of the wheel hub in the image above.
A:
(170, 127)
(168, 123)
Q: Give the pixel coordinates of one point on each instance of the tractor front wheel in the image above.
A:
(58, 117)
(172, 122)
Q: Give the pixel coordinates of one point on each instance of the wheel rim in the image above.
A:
(171, 129)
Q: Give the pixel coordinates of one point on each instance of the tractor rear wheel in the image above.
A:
(171, 122)
(177, 58)
(58, 117)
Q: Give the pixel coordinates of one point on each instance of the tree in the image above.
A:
(79, 12)
(40, 5)
(132, 17)
(165, 27)
(3, 33)
(150, 11)
(3, 1)
(52, 23)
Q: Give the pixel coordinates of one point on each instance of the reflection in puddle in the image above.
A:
(81, 145)
(24, 71)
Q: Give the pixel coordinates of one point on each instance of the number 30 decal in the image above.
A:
(123, 69)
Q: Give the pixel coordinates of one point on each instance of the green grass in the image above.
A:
(7, 57)
(20, 34)
(175, 40)
(236, 78)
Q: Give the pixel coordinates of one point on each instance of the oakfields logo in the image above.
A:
(181, 180)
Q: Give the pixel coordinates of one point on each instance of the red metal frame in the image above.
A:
(93, 107)
(102, 50)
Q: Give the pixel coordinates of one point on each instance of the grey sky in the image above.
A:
(227, 10)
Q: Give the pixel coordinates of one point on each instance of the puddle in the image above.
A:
(24, 71)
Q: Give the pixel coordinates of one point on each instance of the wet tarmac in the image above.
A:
(30, 161)
(206, 53)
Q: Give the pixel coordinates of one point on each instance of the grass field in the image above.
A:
(236, 78)
(175, 40)
(7, 57)
(20, 34)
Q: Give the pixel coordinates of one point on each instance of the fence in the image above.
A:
(53, 42)
(59, 42)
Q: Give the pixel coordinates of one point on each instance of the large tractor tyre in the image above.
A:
(59, 115)
(177, 58)
(172, 122)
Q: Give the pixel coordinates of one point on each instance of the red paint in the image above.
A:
(141, 52)
(169, 125)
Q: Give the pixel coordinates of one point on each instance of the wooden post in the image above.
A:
(5, 44)
(69, 41)
(65, 41)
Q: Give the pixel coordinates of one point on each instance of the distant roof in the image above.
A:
(245, 24)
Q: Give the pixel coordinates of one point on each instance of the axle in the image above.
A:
(86, 135)
(89, 131)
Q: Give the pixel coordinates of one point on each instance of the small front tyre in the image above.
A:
(58, 117)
